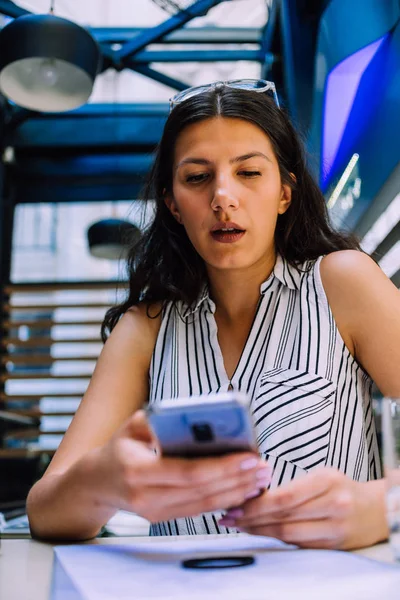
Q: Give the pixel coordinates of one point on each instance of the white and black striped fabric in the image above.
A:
(311, 400)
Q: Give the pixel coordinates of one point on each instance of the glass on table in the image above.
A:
(391, 461)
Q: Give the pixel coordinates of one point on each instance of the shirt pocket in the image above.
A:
(292, 412)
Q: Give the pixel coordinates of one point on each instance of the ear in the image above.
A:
(286, 199)
(172, 207)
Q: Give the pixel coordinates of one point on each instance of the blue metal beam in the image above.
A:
(287, 14)
(98, 190)
(174, 56)
(153, 35)
(10, 9)
(186, 35)
(268, 36)
(129, 127)
(160, 77)
(60, 166)
(299, 29)
(62, 177)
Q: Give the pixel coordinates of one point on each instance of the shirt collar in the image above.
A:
(282, 272)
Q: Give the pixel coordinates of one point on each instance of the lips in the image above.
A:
(226, 226)
(227, 232)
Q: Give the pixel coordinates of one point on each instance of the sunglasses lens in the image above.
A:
(189, 93)
(248, 84)
(258, 85)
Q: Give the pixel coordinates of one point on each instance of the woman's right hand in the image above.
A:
(136, 479)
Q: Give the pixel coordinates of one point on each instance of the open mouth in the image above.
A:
(228, 234)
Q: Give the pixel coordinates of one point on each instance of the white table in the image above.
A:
(26, 565)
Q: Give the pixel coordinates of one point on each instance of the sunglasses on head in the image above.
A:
(251, 85)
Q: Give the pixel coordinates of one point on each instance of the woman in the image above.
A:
(239, 283)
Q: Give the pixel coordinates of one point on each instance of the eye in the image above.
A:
(197, 178)
(250, 174)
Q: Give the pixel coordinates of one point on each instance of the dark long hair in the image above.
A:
(164, 265)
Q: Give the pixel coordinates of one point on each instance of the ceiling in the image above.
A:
(128, 86)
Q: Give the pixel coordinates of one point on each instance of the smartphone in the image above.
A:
(208, 425)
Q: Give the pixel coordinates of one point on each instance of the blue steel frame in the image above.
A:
(133, 53)
(77, 132)
(153, 35)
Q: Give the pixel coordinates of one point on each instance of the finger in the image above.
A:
(253, 482)
(189, 505)
(318, 534)
(139, 429)
(145, 499)
(250, 483)
(321, 507)
(198, 472)
(289, 497)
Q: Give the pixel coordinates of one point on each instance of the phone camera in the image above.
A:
(202, 432)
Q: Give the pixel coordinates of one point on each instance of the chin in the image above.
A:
(229, 264)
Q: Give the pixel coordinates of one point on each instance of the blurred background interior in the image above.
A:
(74, 158)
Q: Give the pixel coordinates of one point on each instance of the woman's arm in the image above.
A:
(366, 308)
(69, 505)
(67, 496)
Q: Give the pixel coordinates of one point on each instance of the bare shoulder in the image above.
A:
(144, 314)
(352, 279)
(139, 323)
(366, 306)
(343, 265)
(126, 356)
(346, 275)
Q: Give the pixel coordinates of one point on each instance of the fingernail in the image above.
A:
(235, 513)
(262, 484)
(264, 473)
(227, 522)
(252, 494)
(248, 464)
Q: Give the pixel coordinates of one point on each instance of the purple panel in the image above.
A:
(341, 88)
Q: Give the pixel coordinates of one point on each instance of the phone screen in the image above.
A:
(204, 425)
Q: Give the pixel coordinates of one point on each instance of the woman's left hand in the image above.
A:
(324, 509)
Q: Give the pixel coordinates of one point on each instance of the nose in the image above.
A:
(224, 197)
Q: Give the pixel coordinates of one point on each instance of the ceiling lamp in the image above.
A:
(112, 238)
(47, 63)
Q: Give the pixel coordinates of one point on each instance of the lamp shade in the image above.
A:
(47, 63)
(111, 238)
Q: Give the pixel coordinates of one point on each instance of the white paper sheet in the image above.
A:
(153, 570)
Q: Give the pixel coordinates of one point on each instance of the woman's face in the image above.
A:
(227, 192)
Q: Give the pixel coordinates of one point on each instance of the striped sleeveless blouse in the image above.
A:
(310, 399)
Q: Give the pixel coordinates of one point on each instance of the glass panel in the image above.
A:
(382, 226)
(345, 193)
(56, 248)
(126, 13)
(390, 263)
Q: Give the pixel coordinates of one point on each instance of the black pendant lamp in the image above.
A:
(47, 63)
(112, 238)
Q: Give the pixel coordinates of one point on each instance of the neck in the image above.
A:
(236, 292)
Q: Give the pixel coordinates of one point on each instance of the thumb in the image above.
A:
(139, 429)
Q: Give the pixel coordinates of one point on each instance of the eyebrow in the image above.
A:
(204, 161)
